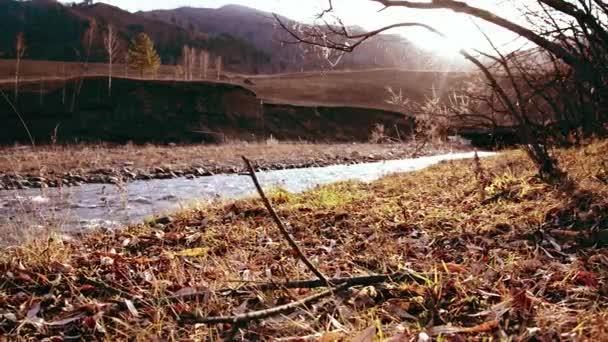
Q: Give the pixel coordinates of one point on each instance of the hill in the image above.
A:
(261, 30)
(55, 32)
(249, 40)
(52, 31)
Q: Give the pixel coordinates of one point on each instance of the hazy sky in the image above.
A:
(460, 28)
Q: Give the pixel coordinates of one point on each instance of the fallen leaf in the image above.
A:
(332, 336)
(193, 252)
(586, 278)
(34, 310)
(65, 321)
(449, 330)
(366, 335)
(87, 288)
(131, 308)
(455, 268)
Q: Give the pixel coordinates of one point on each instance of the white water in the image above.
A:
(98, 205)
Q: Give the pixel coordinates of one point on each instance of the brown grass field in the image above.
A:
(363, 88)
(487, 255)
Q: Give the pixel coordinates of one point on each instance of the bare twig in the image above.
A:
(27, 130)
(281, 226)
(345, 283)
(277, 310)
(313, 283)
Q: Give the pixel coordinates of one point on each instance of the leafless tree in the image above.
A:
(186, 61)
(112, 46)
(189, 55)
(192, 56)
(20, 48)
(204, 60)
(218, 67)
(87, 40)
(572, 35)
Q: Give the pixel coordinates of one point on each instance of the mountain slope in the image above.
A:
(261, 30)
(52, 31)
(55, 32)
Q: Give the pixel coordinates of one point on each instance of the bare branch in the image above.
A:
(261, 314)
(462, 7)
(281, 226)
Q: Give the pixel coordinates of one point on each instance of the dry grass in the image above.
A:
(529, 262)
(363, 88)
(366, 88)
(33, 70)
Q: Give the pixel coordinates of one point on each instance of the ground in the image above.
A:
(356, 88)
(485, 250)
(75, 164)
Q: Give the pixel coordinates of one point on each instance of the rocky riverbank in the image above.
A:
(68, 166)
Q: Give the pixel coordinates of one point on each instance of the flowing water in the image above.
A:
(102, 205)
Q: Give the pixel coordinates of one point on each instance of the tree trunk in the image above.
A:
(110, 78)
(17, 78)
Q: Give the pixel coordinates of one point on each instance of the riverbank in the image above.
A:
(73, 165)
(517, 260)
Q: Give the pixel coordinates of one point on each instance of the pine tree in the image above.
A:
(143, 56)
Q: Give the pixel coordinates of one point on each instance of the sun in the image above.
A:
(441, 46)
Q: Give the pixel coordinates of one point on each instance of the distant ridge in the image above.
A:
(249, 40)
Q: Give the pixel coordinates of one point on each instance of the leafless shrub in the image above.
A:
(432, 117)
(377, 135)
(272, 141)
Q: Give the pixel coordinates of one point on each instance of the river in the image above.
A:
(101, 205)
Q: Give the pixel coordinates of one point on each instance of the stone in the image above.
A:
(164, 220)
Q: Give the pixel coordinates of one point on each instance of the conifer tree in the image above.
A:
(143, 56)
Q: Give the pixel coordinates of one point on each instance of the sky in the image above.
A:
(461, 30)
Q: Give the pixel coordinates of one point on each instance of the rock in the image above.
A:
(79, 178)
(143, 176)
(37, 185)
(25, 183)
(164, 220)
(164, 175)
(128, 173)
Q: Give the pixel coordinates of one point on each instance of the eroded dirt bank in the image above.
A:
(148, 111)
